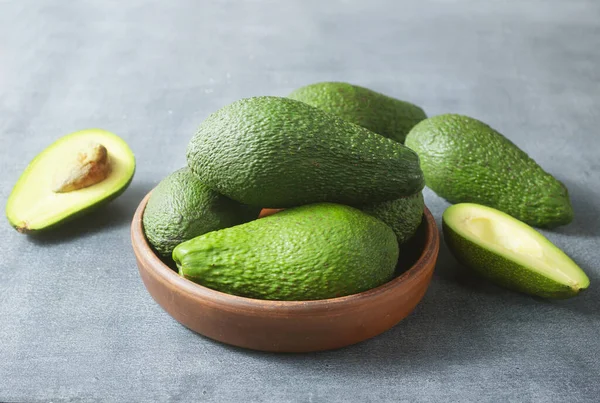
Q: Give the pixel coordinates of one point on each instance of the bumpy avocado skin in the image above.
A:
(181, 208)
(377, 112)
(465, 160)
(315, 251)
(501, 270)
(403, 215)
(277, 152)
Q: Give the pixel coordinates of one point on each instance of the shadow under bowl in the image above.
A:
(287, 326)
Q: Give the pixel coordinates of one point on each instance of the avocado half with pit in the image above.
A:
(78, 172)
(510, 253)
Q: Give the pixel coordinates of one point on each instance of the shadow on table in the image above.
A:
(456, 323)
(453, 325)
(432, 336)
(115, 214)
(586, 222)
(586, 303)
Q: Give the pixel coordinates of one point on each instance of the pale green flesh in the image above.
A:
(33, 205)
(514, 240)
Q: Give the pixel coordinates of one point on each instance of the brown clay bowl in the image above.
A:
(287, 326)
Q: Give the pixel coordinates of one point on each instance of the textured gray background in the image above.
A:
(75, 320)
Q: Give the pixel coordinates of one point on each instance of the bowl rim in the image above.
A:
(146, 256)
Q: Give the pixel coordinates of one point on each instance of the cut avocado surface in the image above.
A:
(510, 252)
(78, 172)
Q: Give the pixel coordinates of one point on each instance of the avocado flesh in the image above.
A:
(181, 208)
(387, 116)
(510, 252)
(34, 206)
(466, 161)
(277, 152)
(310, 252)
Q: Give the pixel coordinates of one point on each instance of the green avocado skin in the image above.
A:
(310, 252)
(277, 152)
(181, 208)
(502, 271)
(390, 117)
(403, 215)
(465, 160)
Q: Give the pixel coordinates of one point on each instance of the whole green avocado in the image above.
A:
(181, 208)
(465, 160)
(403, 215)
(277, 152)
(390, 117)
(310, 252)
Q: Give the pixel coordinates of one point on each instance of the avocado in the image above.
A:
(403, 215)
(181, 208)
(377, 112)
(75, 174)
(465, 160)
(510, 253)
(315, 251)
(277, 152)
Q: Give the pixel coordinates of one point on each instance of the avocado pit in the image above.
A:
(89, 167)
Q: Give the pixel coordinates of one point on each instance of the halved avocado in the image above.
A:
(78, 172)
(510, 253)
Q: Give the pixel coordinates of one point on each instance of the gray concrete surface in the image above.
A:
(76, 323)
